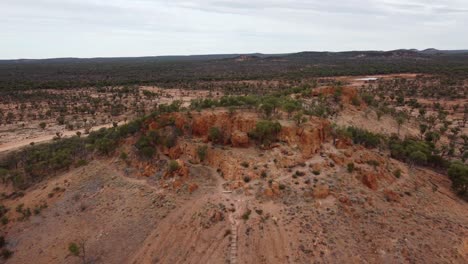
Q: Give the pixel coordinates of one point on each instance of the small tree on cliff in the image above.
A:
(201, 152)
(266, 131)
(215, 135)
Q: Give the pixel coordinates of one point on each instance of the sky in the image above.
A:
(121, 28)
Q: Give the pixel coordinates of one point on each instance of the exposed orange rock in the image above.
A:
(370, 180)
(338, 159)
(239, 139)
(321, 192)
(308, 137)
(175, 152)
(192, 187)
(347, 92)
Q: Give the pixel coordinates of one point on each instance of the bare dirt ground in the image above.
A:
(303, 210)
(19, 143)
(368, 120)
(123, 219)
(22, 132)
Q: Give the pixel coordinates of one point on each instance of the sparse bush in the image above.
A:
(418, 157)
(363, 137)
(300, 173)
(246, 214)
(81, 162)
(42, 125)
(74, 249)
(6, 253)
(173, 166)
(350, 167)
(458, 173)
(123, 156)
(215, 135)
(266, 131)
(201, 152)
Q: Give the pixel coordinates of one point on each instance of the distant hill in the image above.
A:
(80, 72)
(436, 51)
(236, 56)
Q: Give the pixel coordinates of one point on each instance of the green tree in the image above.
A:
(422, 129)
(400, 119)
(458, 173)
(418, 157)
(215, 135)
(266, 131)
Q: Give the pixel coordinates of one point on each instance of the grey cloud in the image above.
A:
(151, 27)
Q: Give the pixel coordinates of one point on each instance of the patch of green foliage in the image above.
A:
(458, 173)
(172, 166)
(362, 137)
(266, 131)
(201, 152)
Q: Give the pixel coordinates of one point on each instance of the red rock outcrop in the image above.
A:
(370, 180)
(347, 92)
(239, 139)
(308, 137)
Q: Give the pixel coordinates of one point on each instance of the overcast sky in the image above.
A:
(108, 28)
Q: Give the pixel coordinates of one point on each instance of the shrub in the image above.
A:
(418, 157)
(397, 173)
(123, 156)
(215, 135)
(300, 173)
(363, 137)
(245, 164)
(6, 253)
(246, 179)
(145, 146)
(355, 101)
(74, 249)
(81, 162)
(173, 165)
(350, 167)
(266, 131)
(105, 145)
(201, 152)
(368, 98)
(373, 163)
(246, 215)
(458, 173)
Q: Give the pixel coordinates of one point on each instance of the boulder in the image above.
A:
(370, 180)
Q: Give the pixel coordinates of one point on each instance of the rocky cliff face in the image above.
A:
(308, 137)
(234, 127)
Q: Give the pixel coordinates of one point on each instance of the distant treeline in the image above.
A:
(72, 73)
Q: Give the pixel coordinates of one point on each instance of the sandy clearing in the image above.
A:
(9, 146)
